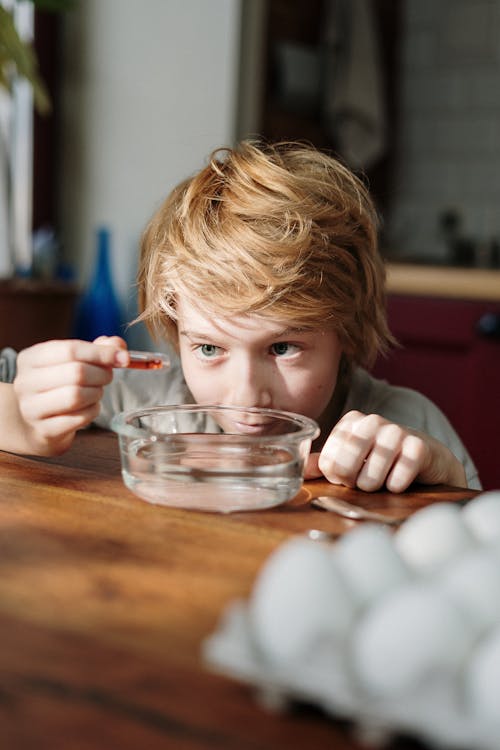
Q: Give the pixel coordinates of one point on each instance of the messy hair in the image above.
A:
(280, 231)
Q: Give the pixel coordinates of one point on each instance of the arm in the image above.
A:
(368, 452)
(57, 391)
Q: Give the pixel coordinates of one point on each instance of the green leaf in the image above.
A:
(17, 57)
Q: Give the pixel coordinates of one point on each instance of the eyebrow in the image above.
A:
(273, 334)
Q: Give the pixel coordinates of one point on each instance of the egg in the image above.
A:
(433, 536)
(298, 597)
(411, 633)
(482, 516)
(482, 680)
(369, 563)
(473, 583)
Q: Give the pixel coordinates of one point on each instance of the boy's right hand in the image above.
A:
(59, 386)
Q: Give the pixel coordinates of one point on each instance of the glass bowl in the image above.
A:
(214, 458)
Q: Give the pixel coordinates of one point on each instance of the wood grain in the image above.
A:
(105, 601)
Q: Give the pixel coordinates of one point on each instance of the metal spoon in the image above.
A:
(318, 535)
(354, 512)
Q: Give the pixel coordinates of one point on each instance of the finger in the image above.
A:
(349, 419)
(75, 373)
(57, 352)
(311, 469)
(122, 357)
(115, 341)
(63, 401)
(408, 464)
(348, 446)
(60, 426)
(381, 458)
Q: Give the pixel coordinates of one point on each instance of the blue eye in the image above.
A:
(208, 350)
(284, 348)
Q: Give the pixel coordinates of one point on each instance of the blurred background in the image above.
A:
(407, 92)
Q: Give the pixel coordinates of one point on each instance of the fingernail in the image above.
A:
(121, 358)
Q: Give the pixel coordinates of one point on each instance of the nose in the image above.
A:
(250, 385)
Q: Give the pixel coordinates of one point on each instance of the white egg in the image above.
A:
(473, 583)
(482, 516)
(433, 536)
(408, 635)
(482, 679)
(370, 563)
(297, 598)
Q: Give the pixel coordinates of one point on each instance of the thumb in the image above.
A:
(111, 341)
(312, 470)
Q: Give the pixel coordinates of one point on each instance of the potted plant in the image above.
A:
(21, 89)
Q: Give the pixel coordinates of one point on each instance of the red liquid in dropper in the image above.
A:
(146, 364)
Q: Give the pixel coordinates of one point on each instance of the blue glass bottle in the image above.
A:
(98, 311)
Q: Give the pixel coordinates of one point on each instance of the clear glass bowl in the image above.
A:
(214, 458)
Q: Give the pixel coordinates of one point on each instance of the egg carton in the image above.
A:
(399, 632)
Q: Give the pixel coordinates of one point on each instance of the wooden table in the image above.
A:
(105, 601)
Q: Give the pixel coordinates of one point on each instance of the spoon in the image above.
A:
(318, 535)
(354, 512)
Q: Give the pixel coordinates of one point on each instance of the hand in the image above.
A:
(368, 452)
(59, 385)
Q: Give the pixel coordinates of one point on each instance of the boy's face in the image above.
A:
(250, 361)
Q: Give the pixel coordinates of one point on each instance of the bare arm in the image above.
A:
(57, 391)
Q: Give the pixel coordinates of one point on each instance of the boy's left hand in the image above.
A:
(367, 451)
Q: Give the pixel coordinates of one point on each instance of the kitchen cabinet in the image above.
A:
(293, 91)
(33, 311)
(450, 351)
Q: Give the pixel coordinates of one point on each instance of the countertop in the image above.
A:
(443, 281)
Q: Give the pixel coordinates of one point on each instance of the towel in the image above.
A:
(354, 105)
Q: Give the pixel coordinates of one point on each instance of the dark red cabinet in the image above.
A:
(33, 311)
(450, 351)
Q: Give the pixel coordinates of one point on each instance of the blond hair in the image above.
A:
(279, 231)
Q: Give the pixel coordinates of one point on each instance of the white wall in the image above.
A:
(149, 89)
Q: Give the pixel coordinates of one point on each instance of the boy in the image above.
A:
(263, 272)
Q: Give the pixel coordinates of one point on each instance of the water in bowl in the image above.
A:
(212, 473)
